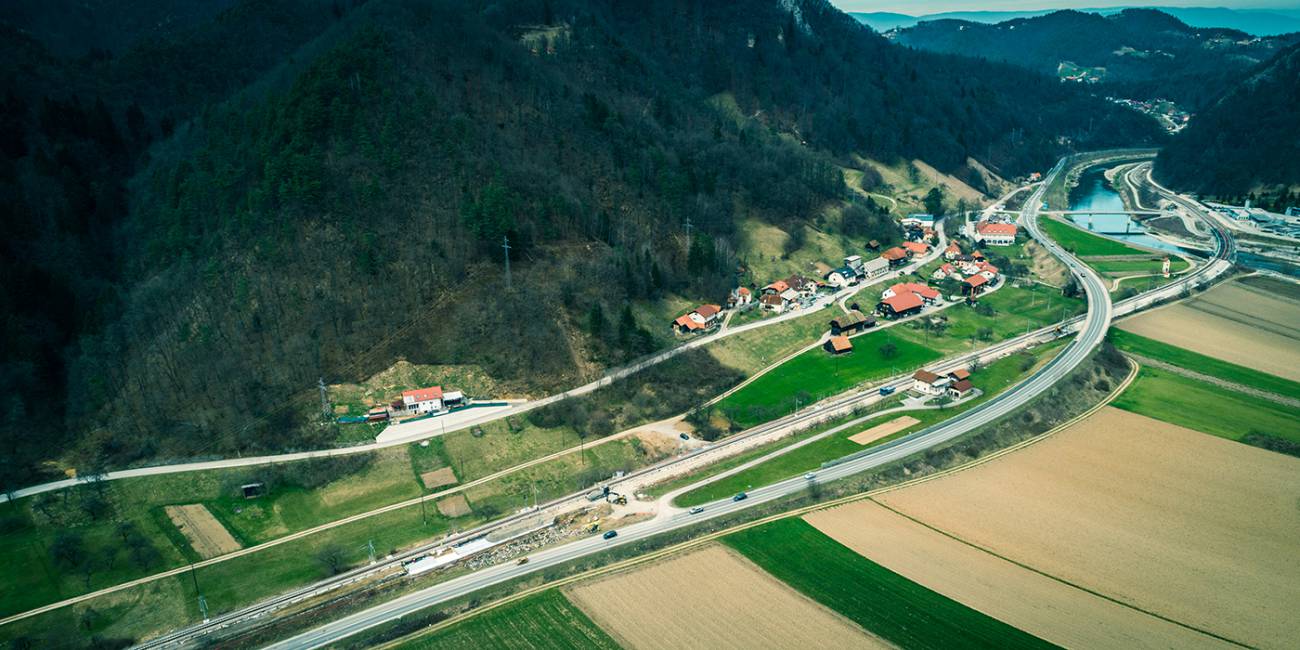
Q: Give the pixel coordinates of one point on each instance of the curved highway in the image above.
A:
(1092, 332)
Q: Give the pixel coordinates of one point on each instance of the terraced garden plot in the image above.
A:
(1191, 527)
(881, 601)
(712, 598)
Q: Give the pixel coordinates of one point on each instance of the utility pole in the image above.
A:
(688, 228)
(203, 603)
(370, 549)
(324, 399)
(505, 247)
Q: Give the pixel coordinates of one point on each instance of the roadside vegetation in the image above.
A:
(888, 605)
(1083, 243)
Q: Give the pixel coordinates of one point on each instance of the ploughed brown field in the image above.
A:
(1236, 322)
(206, 535)
(1163, 521)
(712, 598)
(881, 430)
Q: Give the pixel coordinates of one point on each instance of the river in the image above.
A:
(1094, 194)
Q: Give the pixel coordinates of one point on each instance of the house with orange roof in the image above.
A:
(701, 318)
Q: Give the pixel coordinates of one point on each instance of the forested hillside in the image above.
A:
(1136, 53)
(1247, 143)
(317, 189)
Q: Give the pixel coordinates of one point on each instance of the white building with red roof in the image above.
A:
(423, 400)
(992, 233)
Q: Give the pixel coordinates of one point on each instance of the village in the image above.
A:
(962, 275)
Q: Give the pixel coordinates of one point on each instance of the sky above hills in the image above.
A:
(921, 7)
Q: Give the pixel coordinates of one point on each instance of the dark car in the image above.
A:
(610, 534)
(740, 496)
(685, 437)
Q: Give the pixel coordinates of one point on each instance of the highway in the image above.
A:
(1092, 332)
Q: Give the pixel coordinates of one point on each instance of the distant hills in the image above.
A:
(1134, 53)
(1247, 141)
(319, 188)
(1258, 22)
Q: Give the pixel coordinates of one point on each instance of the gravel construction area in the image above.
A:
(711, 598)
(885, 429)
(454, 506)
(1234, 322)
(438, 478)
(1191, 527)
(206, 535)
(1047, 608)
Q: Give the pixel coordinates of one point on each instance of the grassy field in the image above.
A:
(1003, 314)
(1083, 243)
(1192, 404)
(754, 350)
(1141, 345)
(885, 603)
(1132, 267)
(546, 620)
(992, 379)
(815, 374)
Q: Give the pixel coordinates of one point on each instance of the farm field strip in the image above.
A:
(1235, 323)
(884, 603)
(1039, 604)
(1193, 528)
(1206, 365)
(1085, 244)
(711, 598)
(1186, 402)
(544, 621)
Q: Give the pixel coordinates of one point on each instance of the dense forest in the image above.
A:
(1145, 53)
(1247, 145)
(195, 230)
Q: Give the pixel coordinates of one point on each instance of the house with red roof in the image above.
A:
(896, 256)
(925, 292)
(974, 285)
(992, 233)
(916, 247)
(900, 305)
(945, 271)
(951, 252)
(701, 318)
(422, 400)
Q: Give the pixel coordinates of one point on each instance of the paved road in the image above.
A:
(1094, 327)
(433, 427)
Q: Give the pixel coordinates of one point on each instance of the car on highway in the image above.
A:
(740, 496)
(610, 534)
(522, 560)
(696, 510)
(809, 476)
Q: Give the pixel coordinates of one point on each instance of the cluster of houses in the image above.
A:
(906, 298)
(975, 273)
(955, 384)
(704, 317)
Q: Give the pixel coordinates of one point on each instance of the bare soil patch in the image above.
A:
(206, 535)
(885, 429)
(454, 506)
(712, 598)
(1192, 527)
(438, 478)
(1049, 609)
(1235, 322)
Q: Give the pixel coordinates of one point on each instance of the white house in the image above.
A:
(423, 400)
(928, 383)
(842, 277)
(854, 262)
(919, 220)
(772, 302)
(875, 267)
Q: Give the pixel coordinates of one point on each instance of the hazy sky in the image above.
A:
(920, 7)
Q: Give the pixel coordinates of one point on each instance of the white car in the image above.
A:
(809, 476)
(696, 510)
